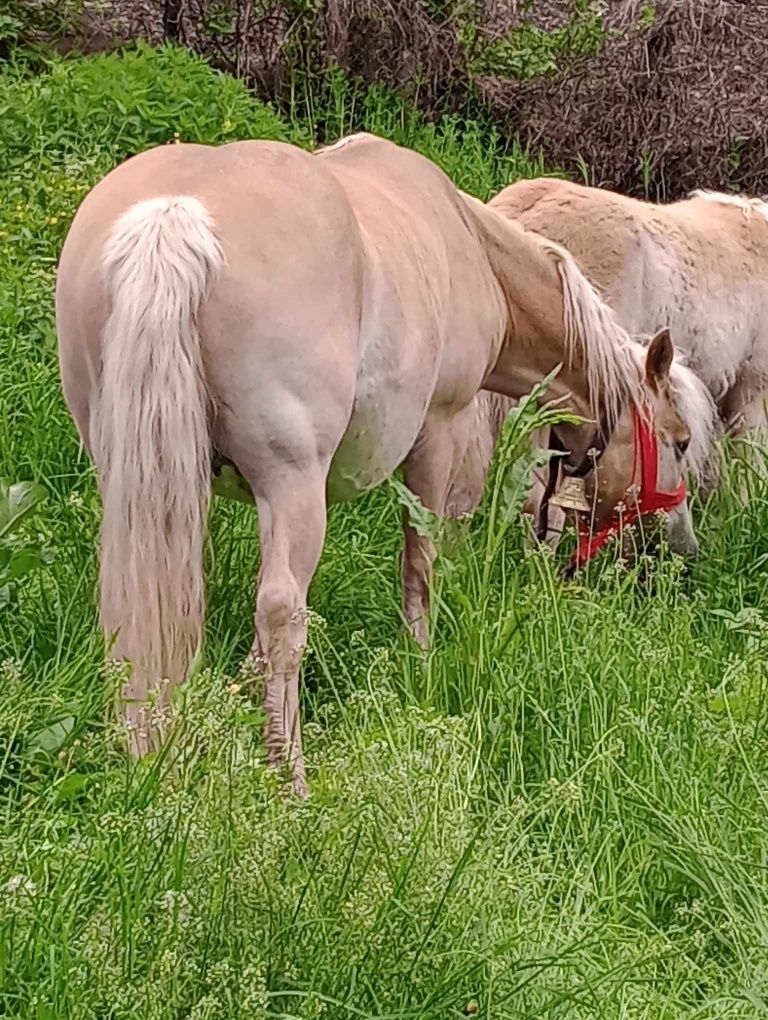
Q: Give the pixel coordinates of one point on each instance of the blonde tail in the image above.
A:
(150, 437)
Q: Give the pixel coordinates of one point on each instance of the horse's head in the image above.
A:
(645, 419)
(638, 467)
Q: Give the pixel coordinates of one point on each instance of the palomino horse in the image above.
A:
(317, 321)
(698, 266)
(641, 470)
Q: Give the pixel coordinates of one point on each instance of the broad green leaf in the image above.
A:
(44, 1012)
(53, 737)
(517, 479)
(748, 702)
(17, 500)
(17, 562)
(72, 786)
(423, 521)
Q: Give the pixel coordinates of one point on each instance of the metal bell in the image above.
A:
(571, 495)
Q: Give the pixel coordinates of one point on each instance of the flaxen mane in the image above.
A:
(593, 337)
(697, 409)
(607, 351)
(743, 202)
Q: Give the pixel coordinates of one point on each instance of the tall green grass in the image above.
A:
(559, 811)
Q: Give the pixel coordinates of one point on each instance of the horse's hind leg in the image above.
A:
(292, 516)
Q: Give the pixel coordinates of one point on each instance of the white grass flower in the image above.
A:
(20, 885)
(11, 672)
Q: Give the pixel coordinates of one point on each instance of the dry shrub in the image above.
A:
(663, 107)
(410, 45)
(674, 98)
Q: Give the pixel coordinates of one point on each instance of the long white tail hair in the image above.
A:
(151, 440)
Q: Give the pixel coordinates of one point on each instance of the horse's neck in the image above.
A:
(529, 280)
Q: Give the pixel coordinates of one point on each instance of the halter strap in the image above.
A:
(648, 498)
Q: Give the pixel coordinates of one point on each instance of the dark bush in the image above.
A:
(654, 97)
(674, 100)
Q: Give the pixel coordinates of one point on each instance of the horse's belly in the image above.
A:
(382, 430)
(379, 436)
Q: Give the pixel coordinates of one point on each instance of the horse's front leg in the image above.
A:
(418, 557)
(554, 524)
(746, 425)
(428, 471)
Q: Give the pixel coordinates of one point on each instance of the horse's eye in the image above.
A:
(682, 446)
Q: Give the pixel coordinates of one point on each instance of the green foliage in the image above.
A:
(10, 28)
(558, 812)
(26, 21)
(118, 104)
(647, 15)
(20, 555)
(530, 52)
(220, 19)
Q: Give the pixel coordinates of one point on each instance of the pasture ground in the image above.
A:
(559, 812)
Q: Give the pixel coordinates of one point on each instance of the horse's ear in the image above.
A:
(658, 360)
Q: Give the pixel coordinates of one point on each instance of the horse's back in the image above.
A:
(696, 266)
(425, 242)
(605, 232)
(526, 194)
(256, 193)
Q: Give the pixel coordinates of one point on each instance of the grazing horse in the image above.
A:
(698, 266)
(316, 320)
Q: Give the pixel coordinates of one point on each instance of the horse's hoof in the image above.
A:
(300, 788)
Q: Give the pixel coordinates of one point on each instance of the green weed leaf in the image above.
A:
(16, 501)
(52, 738)
(73, 786)
(422, 520)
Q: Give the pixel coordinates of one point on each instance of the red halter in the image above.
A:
(644, 497)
